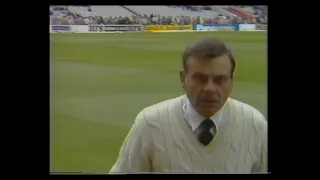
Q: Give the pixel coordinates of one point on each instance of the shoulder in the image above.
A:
(159, 111)
(249, 112)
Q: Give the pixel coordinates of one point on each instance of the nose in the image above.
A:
(210, 86)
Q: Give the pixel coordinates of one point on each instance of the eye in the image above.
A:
(200, 78)
(220, 79)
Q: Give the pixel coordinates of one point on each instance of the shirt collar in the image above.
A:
(194, 118)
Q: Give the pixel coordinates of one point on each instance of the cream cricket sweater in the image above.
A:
(161, 141)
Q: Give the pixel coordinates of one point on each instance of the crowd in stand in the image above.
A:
(62, 16)
(194, 8)
(261, 14)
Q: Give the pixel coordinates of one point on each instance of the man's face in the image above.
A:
(208, 83)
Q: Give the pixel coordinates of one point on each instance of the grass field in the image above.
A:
(99, 82)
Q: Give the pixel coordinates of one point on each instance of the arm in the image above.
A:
(264, 154)
(262, 164)
(134, 156)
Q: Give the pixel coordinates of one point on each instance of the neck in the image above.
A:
(213, 115)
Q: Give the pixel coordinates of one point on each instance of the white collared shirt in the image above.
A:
(194, 119)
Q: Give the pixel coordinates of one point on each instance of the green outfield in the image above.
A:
(99, 82)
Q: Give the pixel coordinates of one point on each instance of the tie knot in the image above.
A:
(207, 123)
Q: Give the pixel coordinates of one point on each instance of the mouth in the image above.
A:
(209, 102)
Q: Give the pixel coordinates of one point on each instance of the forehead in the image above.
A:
(216, 66)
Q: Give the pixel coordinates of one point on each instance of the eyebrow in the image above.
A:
(202, 74)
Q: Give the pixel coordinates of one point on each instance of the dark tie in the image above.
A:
(203, 131)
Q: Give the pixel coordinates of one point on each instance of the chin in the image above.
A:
(209, 112)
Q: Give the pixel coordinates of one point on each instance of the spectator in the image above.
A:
(87, 21)
(100, 20)
(70, 20)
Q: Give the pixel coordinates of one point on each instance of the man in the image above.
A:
(203, 131)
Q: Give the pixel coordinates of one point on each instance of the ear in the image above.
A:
(183, 76)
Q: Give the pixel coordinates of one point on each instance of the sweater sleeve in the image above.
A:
(262, 165)
(264, 153)
(135, 153)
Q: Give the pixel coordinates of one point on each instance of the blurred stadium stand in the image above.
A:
(158, 15)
